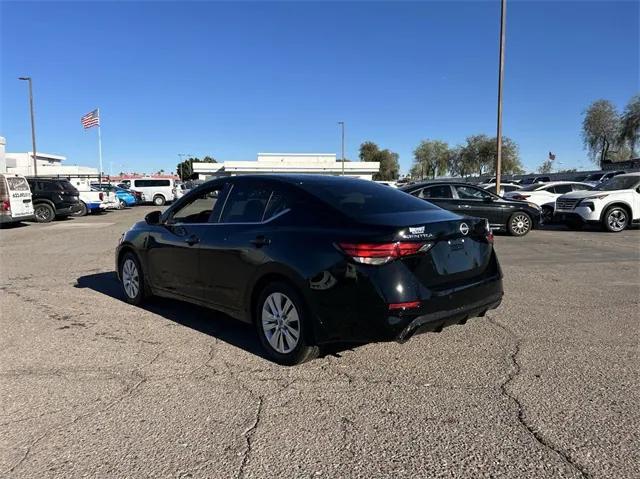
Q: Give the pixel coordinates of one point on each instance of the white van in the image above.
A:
(157, 190)
(15, 199)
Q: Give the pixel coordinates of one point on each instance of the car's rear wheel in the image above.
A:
(615, 219)
(132, 279)
(123, 204)
(158, 200)
(44, 213)
(282, 321)
(519, 224)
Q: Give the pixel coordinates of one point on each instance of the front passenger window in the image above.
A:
(199, 209)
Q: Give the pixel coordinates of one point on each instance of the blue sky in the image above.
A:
(234, 79)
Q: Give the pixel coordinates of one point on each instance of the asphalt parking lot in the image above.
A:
(548, 385)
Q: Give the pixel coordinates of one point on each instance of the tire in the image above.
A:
(123, 204)
(159, 200)
(280, 316)
(615, 219)
(519, 224)
(132, 279)
(44, 213)
(83, 210)
(547, 215)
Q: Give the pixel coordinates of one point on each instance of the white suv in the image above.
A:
(614, 204)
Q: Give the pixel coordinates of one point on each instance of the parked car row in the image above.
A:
(43, 199)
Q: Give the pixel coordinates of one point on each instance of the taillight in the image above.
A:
(381, 253)
(101, 196)
(5, 205)
(488, 231)
(403, 306)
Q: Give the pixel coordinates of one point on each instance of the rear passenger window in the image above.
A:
(277, 204)
(440, 191)
(577, 187)
(561, 189)
(245, 204)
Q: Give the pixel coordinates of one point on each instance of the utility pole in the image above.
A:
(341, 123)
(33, 127)
(503, 25)
(181, 172)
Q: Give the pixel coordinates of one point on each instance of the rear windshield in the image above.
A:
(17, 183)
(619, 183)
(357, 198)
(594, 177)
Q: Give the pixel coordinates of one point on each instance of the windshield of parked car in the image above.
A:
(594, 177)
(619, 183)
(360, 197)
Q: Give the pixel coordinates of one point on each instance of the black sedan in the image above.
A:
(515, 217)
(312, 260)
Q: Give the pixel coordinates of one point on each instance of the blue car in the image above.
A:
(125, 197)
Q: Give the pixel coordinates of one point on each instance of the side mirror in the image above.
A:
(153, 218)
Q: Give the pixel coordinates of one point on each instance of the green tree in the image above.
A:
(185, 168)
(600, 129)
(479, 155)
(545, 167)
(389, 165)
(430, 159)
(630, 126)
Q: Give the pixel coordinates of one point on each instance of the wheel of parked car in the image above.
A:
(132, 279)
(82, 211)
(158, 200)
(123, 204)
(44, 213)
(519, 224)
(547, 214)
(281, 321)
(615, 219)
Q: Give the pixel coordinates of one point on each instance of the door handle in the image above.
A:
(191, 240)
(260, 241)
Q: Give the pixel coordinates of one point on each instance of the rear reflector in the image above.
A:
(381, 253)
(5, 205)
(409, 305)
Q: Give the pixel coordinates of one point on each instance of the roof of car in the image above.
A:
(431, 183)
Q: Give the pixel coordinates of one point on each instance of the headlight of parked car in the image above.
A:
(597, 197)
(534, 206)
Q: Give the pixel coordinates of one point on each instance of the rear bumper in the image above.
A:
(68, 210)
(6, 219)
(435, 322)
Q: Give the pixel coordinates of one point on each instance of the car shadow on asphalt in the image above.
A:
(203, 320)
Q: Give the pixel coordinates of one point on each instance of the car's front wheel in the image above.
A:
(282, 321)
(615, 219)
(158, 200)
(132, 279)
(519, 224)
(547, 215)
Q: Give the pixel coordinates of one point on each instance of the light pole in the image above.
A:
(503, 25)
(341, 123)
(33, 126)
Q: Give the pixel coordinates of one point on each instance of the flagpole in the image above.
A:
(99, 149)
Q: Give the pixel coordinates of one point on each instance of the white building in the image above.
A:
(47, 165)
(315, 163)
(3, 161)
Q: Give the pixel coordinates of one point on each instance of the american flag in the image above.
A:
(91, 119)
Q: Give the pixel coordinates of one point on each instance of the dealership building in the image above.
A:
(315, 163)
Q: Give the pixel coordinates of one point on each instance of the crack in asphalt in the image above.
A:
(514, 372)
(248, 436)
(127, 393)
